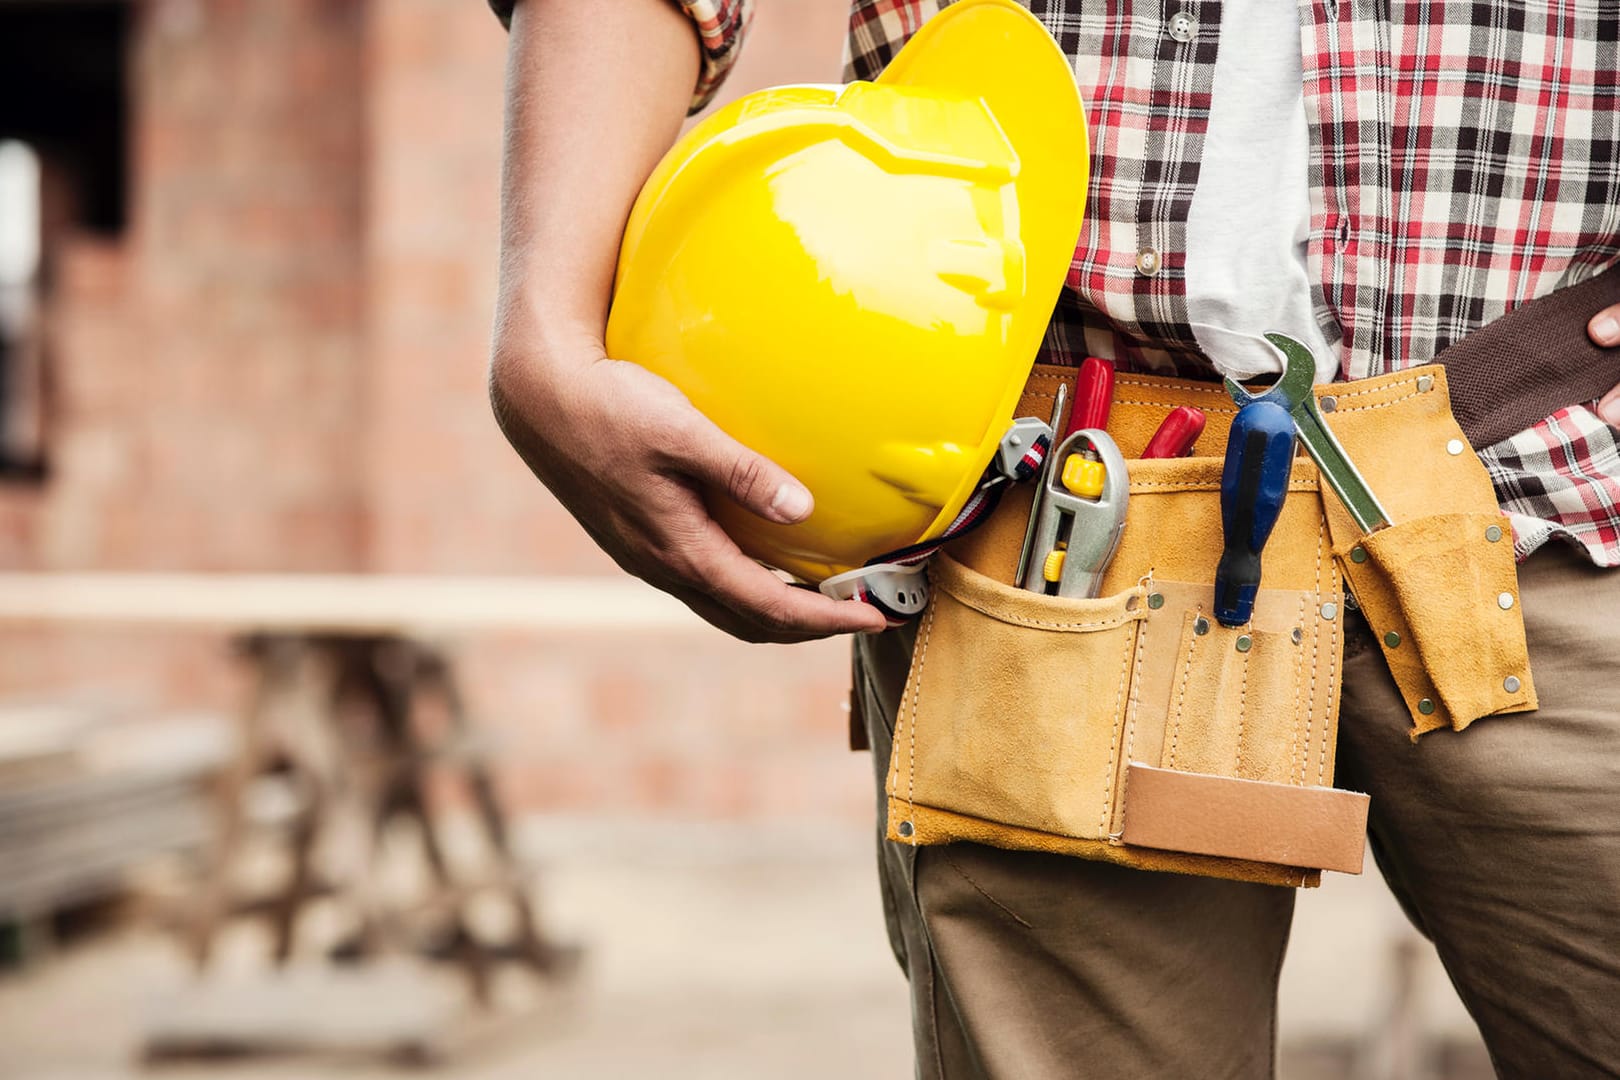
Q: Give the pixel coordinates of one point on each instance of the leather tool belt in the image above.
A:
(1133, 727)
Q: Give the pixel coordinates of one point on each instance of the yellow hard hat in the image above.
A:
(854, 280)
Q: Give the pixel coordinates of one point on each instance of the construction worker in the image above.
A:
(1377, 181)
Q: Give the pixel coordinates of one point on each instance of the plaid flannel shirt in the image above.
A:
(1465, 159)
(721, 26)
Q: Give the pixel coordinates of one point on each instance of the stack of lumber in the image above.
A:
(86, 796)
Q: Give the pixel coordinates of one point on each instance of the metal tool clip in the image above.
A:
(1077, 531)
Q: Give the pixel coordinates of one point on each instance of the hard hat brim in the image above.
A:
(998, 52)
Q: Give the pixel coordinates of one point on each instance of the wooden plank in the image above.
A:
(344, 603)
(67, 867)
(39, 741)
(133, 789)
(394, 1010)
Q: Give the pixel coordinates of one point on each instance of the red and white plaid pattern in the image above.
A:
(1465, 158)
(721, 26)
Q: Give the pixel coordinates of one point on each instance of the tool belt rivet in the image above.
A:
(1155, 601)
(1511, 684)
(1200, 625)
(906, 828)
(1426, 707)
(1392, 639)
(1298, 635)
(1244, 643)
(1329, 610)
(1494, 533)
(1358, 554)
(1454, 447)
(1328, 403)
(1505, 601)
(1425, 383)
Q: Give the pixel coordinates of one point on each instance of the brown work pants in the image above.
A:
(1502, 843)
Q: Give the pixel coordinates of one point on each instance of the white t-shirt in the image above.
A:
(1250, 213)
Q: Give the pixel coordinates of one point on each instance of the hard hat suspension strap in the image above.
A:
(895, 583)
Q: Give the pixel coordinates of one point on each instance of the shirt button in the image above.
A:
(1147, 262)
(1183, 27)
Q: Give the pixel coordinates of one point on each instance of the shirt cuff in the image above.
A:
(721, 26)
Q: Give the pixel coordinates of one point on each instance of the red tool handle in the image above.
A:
(1093, 396)
(1177, 434)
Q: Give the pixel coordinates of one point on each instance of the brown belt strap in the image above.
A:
(1520, 369)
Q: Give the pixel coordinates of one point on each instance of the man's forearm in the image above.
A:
(595, 93)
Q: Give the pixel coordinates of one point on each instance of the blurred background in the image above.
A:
(329, 744)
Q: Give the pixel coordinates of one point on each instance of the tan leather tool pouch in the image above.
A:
(1133, 727)
(1439, 587)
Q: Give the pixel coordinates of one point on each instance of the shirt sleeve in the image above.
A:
(721, 26)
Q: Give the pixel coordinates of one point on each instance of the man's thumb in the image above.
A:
(753, 481)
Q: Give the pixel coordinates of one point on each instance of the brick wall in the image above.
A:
(208, 369)
(280, 367)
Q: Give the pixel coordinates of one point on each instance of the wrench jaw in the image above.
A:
(1298, 376)
(1294, 393)
(1087, 530)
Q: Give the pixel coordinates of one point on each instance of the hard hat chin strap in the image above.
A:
(896, 583)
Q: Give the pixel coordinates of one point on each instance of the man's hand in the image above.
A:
(628, 456)
(1604, 329)
(595, 93)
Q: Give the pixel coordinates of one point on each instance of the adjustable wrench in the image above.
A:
(1293, 392)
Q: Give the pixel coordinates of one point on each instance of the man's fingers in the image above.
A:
(1605, 326)
(1604, 329)
(1609, 407)
(718, 615)
(758, 595)
(751, 480)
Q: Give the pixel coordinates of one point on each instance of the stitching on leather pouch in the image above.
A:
(1109, 623)
(1316, 642)
(1165, 404)
(1333, 676)
(1380, 405)
(1122, 380)
(1130, 722)
(1181, 694)
(1113, 743)
(1243, 706)
(1386, 388)
(916, 693)
(1299, 684)
(1183, 485)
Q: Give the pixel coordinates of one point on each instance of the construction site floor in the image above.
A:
(714, 951)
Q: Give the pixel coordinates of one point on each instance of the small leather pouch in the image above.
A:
(1439, 587)
(1442, 595)
(1133, 727)
(1020, 719)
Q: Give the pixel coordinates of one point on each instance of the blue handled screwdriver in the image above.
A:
(1254, 483)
